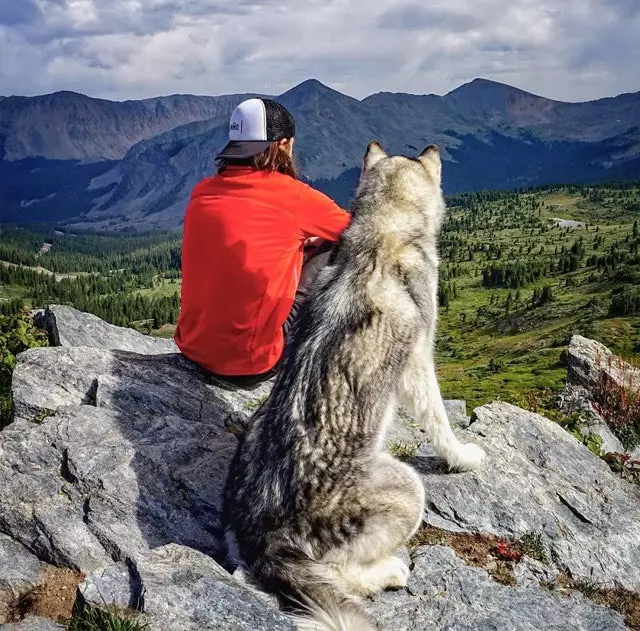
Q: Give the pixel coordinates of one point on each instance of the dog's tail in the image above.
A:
(313, 595)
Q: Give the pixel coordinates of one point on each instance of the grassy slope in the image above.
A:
(529, 342)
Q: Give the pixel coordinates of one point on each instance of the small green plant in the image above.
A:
(252, 406)
(532, 545)
(623, 464)
(109, 619)
(17, 333)
(593, 442)
(403, 451)
(39, 418)
(589, 587)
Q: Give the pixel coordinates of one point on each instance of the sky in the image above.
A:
(570, 50)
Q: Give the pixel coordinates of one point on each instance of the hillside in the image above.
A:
(146, 156)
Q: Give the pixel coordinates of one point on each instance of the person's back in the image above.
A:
(242, 257)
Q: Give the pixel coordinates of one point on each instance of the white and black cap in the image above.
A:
(254, 125)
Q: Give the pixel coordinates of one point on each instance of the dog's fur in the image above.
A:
(314, 508)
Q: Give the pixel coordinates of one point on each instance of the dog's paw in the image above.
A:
(467, 458)
(394, 573)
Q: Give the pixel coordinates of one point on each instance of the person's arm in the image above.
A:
(319, 216)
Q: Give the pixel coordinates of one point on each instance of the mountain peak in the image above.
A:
(311, 84)
(312, 87)
(485, 85)
(312, 90)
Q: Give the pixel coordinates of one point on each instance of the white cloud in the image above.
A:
(566, 49)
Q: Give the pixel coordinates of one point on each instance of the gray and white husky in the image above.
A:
(314, 508)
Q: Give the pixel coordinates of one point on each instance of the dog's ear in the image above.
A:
(374, 154)
(430, 159)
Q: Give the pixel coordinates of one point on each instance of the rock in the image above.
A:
(115, 463)
(67, 326)
(139, 462)
(587, 359)
(595, 425)
(578, 399)
(115, 584)
(588, 363)
(457, 412)
(187, 590)
(445, 594)
(33, 623)
(19, 573)
(538, 478)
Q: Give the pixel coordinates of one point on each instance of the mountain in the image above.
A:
(71, 126)
(133, 164)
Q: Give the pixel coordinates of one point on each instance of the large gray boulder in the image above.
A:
(587, 360)
(116, 461)
(114, 452)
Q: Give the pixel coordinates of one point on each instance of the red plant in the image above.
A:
(508, 551)
(617, 399)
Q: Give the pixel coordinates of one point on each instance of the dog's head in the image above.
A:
(403, 181)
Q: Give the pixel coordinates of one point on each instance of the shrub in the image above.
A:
(403, 451)
(617, 400)
(17, 333)
(108, 619)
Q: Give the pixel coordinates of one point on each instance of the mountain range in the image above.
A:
(98, 164)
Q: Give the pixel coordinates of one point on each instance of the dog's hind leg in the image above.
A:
(393, 497)
(420, 392)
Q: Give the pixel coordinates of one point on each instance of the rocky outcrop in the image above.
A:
(115, 462)
(590, 364)
(541, 480)
(587, 359)
(69, 327)
(183, 589)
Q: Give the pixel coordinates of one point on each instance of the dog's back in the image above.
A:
(304, 487)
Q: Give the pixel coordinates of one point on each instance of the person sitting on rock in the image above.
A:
(255, 237)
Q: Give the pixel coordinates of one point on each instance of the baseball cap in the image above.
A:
(254, 125)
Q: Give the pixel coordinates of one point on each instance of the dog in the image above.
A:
(314, 508)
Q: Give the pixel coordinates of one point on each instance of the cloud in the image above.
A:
(418, 17)
(565, 49)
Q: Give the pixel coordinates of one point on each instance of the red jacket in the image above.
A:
(242, 253)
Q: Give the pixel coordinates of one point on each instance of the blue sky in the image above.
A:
(565, 49)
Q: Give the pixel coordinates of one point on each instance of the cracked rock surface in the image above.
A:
(116, 460)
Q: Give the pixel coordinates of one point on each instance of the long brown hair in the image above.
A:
(273, 158)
